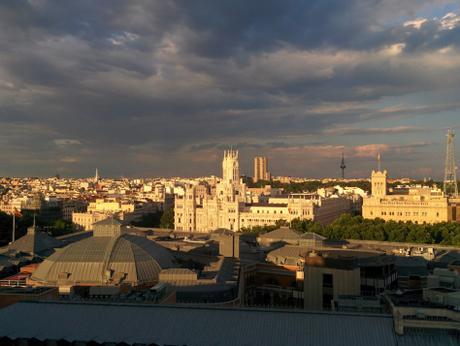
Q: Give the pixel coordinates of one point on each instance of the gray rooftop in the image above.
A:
(198, 326)
(312, 236)
(35, 242)
(288, 252)
(411, 266)
(101, 260)
(110, 221)
(282, 233)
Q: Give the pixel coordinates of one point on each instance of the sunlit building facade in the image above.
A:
(260, 169)
(420, 204)
(231, 208)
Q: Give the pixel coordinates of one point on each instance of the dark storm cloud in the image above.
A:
(227, 28)
(96, 82)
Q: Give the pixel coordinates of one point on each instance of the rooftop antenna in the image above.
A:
(450, 174)
(379, 163)
(343, 166)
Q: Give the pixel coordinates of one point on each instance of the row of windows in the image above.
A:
(267, 211)
(406, 213)
(296, 212)
(399, 203)
(258, 220)
(292, 212)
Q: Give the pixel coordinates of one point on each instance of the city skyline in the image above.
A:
(161, 89)
(229, 172)
(246, 171)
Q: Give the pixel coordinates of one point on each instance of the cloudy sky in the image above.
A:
(161, 88)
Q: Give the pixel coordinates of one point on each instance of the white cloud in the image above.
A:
(394, 49)
(450, 21)
(416, 23)
(370, 150)
(123, 38)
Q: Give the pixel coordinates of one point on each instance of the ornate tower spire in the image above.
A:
(230, 166)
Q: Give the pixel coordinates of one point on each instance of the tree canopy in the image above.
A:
(307, 186)
(356, 227)
(167, 219)
(162, 219)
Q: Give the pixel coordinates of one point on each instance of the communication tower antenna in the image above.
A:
(343, 166)
(379, 164)
(450, 174)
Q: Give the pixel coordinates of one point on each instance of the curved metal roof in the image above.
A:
(106, 260)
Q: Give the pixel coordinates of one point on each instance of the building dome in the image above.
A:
(110, 257)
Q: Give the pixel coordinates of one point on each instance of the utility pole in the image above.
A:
(13, 238)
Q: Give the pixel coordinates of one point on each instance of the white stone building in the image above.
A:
(230, 206)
